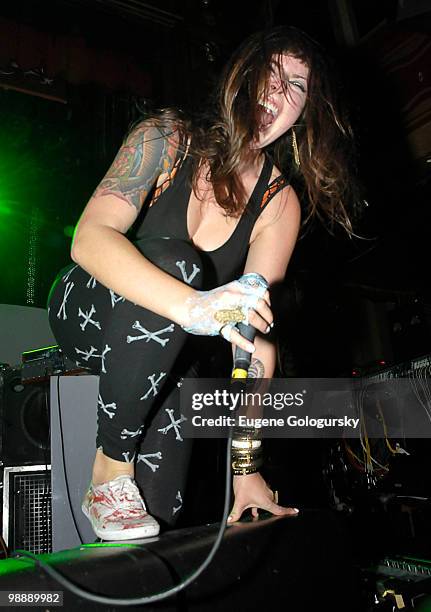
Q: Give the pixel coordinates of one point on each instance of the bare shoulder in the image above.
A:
(274, 236)
(281, 213)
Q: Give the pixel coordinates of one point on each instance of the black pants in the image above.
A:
(134, 351)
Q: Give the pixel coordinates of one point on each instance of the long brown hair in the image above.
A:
(222, 139)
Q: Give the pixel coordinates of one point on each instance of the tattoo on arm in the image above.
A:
(256, 369)
(146, 154)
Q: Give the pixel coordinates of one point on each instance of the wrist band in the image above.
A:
(246, 451)
(246, 460)
(246, 464)
(247, 444)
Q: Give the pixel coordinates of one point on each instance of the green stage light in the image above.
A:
(5, 210)
(68, 231)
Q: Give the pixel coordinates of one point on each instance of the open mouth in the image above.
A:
(267, 114)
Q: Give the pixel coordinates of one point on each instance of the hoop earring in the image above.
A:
(295, 149)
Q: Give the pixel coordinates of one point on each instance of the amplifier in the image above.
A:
(41, 363)
(355, 470)
(404, 582)
(405, 567)
(24, 426)
(27, 508)
(414, 368)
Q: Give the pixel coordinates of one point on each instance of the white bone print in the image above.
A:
(115, 298)
(92, 352)
(105, 407)
(62, 310)
(127, 458)
(180, 499)
(154, 385)
(91, 283)
(145, 459)
(174, 424)
(148, 335)
(87, 318)
(182, 266)
(125, 433)
(66, 276)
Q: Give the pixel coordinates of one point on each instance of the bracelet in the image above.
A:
(245, 466)
(246, 460)
(246, 451)
(247, 443)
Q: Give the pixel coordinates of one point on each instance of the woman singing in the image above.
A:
(212, 212)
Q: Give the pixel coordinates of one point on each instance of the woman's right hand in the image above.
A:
(217, 311)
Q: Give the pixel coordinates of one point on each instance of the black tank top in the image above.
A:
(167, 218)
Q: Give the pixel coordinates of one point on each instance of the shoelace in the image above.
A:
(125, 496)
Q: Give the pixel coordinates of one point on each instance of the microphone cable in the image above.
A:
(77, 590)
(239, 376)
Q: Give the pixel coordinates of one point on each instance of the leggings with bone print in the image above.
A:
(134, 351)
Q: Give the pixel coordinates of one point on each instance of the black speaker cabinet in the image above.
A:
(24, 422)
(25, 459)
(26, 520)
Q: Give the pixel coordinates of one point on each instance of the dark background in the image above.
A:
(75, 74)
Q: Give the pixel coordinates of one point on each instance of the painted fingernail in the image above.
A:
(296, 509)
(229, 519)
(268, 329)
(251, 348)
(272, 325)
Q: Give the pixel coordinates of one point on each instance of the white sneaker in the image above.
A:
(117, 511)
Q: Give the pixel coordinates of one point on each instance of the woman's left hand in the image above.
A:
(251, 491)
